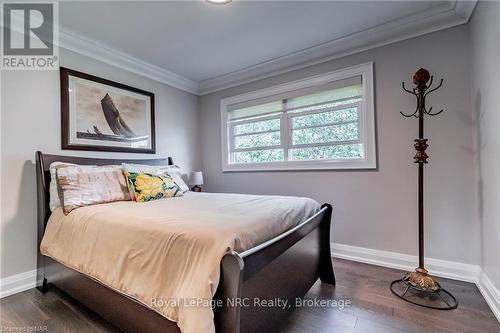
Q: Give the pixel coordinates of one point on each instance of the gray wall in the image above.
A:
(373, 209)
(31, 121)
(485, 26)
(378, 209)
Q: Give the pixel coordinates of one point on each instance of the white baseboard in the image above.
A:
(437, 267)
(17, 283)
(490, 293)
(442, 268)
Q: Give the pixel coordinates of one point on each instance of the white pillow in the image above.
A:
(175, 172)
(172, 170)
(54, 200)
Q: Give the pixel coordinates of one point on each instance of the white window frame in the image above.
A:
(366, 123)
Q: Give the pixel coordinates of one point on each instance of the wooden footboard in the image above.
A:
(284, 268)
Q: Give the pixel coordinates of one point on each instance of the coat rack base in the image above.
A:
(421, 289)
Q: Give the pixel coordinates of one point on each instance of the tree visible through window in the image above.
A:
(313, 124)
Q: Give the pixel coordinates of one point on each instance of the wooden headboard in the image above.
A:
(43, 162)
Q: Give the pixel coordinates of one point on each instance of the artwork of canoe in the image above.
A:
(122, 132)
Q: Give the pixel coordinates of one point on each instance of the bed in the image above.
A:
(283, 267)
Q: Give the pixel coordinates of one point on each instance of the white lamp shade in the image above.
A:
(196, 178)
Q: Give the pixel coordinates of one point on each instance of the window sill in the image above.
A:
(303, 166)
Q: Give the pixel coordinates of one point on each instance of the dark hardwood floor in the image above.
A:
(374, 308)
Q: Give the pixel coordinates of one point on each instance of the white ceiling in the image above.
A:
(202, 42)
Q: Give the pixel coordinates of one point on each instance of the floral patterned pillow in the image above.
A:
(146, 186)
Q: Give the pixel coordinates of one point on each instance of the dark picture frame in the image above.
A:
(113, 135)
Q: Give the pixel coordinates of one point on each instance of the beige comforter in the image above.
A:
(166, 253)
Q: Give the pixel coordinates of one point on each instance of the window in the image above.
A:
(324, 122)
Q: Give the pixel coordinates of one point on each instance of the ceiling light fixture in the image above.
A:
(219, 2)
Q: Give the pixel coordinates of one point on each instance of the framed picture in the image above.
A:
(102, 115)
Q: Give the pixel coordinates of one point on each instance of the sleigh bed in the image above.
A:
(284, 267)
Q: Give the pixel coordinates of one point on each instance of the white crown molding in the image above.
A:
(439, 17)
(17, 283)
(437, 267)
(465, 8)
(93, 49)
(434, 19)
(88, 47)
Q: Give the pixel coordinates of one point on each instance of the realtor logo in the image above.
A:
(29, 36)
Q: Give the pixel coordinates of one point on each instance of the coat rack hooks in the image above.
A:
(423, 81)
